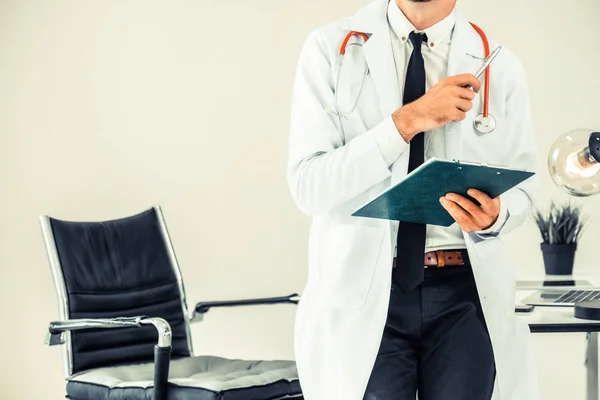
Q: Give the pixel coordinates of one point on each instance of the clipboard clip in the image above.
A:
(480, 164)
(474, 163)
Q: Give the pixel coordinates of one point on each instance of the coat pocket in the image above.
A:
(490, 257)
(347, 259)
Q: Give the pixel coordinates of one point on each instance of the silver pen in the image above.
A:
(486, 63)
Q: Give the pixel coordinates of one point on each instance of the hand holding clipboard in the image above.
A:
(472, 215)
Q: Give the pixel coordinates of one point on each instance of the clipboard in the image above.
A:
(416, 198)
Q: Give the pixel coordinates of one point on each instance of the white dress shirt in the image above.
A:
(435, 55)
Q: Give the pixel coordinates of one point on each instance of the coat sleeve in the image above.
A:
(323, 170)
(516, 204)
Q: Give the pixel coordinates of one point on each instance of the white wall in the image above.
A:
(108, 107)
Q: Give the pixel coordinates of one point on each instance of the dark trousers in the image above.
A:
(435, 342)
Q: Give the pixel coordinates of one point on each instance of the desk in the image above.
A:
(561, 320)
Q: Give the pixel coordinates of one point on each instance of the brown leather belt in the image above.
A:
(442, 258)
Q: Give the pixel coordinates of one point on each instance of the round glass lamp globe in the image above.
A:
(574, 162)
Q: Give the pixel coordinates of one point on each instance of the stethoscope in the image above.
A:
(483, 123)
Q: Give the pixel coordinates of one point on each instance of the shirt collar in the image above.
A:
(402, 27)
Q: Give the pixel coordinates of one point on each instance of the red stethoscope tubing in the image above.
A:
(486, 46)
(486, 90)
(348, 37)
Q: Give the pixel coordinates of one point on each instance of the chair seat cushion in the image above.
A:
(198, 378)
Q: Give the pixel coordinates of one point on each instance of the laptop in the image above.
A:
(553, 283)
(562, 296)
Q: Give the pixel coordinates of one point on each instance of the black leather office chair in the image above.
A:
(123, 274)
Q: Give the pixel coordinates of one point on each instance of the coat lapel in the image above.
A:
(466, 56)
(379, 56)
(372, 20)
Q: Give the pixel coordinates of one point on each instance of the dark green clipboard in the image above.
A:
(416, 197)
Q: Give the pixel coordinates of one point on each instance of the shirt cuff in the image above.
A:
(390, 142)
(495, 229)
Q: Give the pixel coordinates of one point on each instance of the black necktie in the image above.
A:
(411, 237)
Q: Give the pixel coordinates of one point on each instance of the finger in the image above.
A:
(461, 79)
(464, 105)
(497, 203)
(466, 80)
(463, 93)
(466, 204)
(462, 217)
(458, 116)
(475, 84)
(483, 199)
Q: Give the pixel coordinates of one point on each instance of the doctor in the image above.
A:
(391, 310)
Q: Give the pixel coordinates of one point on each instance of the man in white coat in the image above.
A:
(391, 310)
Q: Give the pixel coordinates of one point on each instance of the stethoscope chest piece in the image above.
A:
(484, 124)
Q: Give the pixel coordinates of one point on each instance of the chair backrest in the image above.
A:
(117, 268)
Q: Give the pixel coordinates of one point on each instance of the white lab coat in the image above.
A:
(343, 310)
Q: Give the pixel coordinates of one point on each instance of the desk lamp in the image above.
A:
(574, 164)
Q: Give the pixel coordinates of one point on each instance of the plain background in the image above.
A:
(110, 106)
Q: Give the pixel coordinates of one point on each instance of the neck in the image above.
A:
(423, 14)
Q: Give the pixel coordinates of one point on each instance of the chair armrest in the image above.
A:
(56, 328)
(162, 351)
(203, 307)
